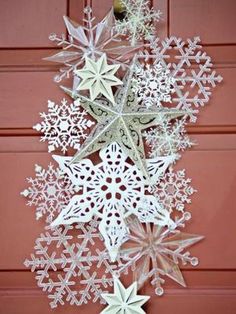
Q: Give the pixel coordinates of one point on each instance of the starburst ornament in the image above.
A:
(98, 77)
(124, 301)
(121, 122)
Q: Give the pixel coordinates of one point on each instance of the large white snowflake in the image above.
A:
(153, 252)
(49, 192)
(153, 85)
(168, 138)
(69, 265)
(138, 21)
(89, 40)
(112, 190)
(174, 190)
(190, 67)
(64, 125)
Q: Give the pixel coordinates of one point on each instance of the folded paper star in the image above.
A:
(124, 301)
(122, 123)
(98, 77)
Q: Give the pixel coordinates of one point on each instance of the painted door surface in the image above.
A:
(26, 83)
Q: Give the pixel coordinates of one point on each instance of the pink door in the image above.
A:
(26, 84)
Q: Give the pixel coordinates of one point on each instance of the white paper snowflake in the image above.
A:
(174, 190)
(89, 40)
(190, 67)
(138, 21)
(168, 138)
(64, 126)
(69, 265)
(112, 190)
(153, 252)
(153, 85)
(49, 192)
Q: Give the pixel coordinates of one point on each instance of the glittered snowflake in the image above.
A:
(70, 266)
(174, 190)
(190, 67)
(64, 126)
(112, 190)
(153, 252)
(168, 138)
(89, 40)
(138, 21)
(49, 192)
(153, 85)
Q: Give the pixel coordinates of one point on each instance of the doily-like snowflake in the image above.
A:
(168, 138)
(69, 266)
(153, 85)
(112, 190)
(174, 190)
(138, 20)
(190, 67)
(90, 40)
(153, 252)
(49, 192)
(64, 125)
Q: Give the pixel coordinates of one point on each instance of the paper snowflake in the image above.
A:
(89, 40)
(153, 252)
(138, 21)
(49, 192)
(64, 126)
(98, 77)
(190, 67)
(112, 190)
(168, 138)
(124, 301)
(153, 85)
(174, 190)
(87, 272)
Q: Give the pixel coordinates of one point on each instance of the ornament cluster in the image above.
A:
(115, 204)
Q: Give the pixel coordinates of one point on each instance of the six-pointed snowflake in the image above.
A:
(174, 190)
(153, 252)
(112, 190)
(64, 126)
(87, 271)
(49, 192)
(168, 138)
(153, 85)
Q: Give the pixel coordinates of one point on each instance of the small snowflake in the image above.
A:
(152, 252)
(63, 126)
(50, 191)
(190, 67)
(112, 190)
(87, 271)
(153, 85)
(138, 21)
(174, 190)
(168, 138)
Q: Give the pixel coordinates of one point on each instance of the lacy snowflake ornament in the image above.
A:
(98, 77)
(124, 301)
(64, 126)
(174, 190)
(50, 191)
(138, 21)
(153, 85)
(190, 67)
(153, 252)
(69, 265)
(168, 138)
(89, 40)
(112, 190)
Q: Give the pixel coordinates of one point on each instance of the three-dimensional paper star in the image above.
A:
(124, 301)
(98, 77)
(122, 123)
